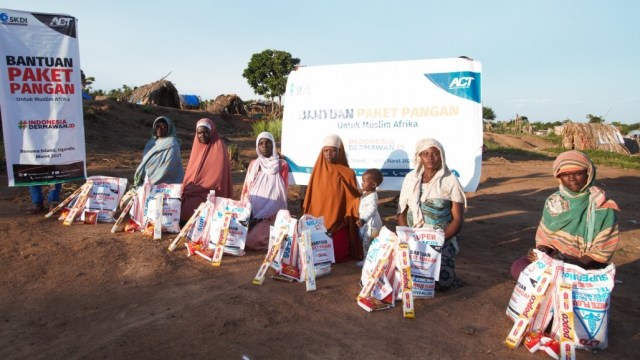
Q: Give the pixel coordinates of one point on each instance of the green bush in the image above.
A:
(232, 149)
(273, 126)
(555, 139)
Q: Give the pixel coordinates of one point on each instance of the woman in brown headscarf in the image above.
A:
(208, 169)
(332, 189)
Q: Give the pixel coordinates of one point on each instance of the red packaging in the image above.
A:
(532, 340)
(90, 217)
(131, 226)
(552, 347)
(64, 213)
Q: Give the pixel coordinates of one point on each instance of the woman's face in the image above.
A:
(204, 134)
(330, 153)
(265, 147)
(431, 159)
(161, 128)
(574, 180)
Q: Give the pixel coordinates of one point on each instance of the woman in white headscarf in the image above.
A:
(431, 196)
(265, 187)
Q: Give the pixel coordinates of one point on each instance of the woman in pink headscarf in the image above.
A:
(208, 169)
(265, 187)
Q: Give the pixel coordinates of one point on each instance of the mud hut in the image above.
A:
(579, 136)
(227, 104)
(161, 93)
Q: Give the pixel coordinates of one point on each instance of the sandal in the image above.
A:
(35, 209)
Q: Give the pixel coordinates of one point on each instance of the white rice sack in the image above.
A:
(237, 237)
(288, 259)
(321, 244)
(384, 287)
(170, 206)
(524, 289)
(105, 196)
(425, 254)
(591, 292)
(137, 211)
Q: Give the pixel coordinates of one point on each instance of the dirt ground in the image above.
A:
(80, 292)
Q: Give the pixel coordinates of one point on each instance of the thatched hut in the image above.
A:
(161, 93)
(227, 104)
(579, 136)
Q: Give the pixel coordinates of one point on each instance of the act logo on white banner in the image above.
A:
(41, 98)
(380, 110)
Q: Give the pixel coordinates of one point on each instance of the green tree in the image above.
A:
(595, 119)
(86, 81)
(488, 114)
(267, 73)
(122, 94)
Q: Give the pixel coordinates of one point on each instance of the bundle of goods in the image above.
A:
(299, 250)
(95, 201)
(400, 267)
(217, 227)
(553, 292)
(152, 205)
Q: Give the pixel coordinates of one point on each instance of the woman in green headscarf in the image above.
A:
(161, 160)
(579, 224)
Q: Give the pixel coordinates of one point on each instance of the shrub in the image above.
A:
(273, 126)
(232, 149)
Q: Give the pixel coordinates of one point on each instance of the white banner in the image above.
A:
(41, 98)
(380, 110)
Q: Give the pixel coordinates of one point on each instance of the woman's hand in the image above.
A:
(402, 218)
(532, 256)
(457, 215)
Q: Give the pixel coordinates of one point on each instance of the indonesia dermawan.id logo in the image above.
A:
(45, 124)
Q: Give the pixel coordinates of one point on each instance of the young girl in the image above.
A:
(369, 222)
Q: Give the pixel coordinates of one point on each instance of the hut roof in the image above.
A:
(581, 136)
(227, 104)
(161, 93)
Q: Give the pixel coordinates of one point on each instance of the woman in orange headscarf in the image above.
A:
(331, 191)
(208, 169)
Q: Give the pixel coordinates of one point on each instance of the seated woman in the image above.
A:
(265, 187)
(161, 160)
(578, 224)
(331, 190)
(431, 196)
(208, 169)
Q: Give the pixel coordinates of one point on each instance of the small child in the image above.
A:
(369, 222)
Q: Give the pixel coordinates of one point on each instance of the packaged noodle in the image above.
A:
(90, 217)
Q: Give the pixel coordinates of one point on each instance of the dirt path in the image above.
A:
(71, 292)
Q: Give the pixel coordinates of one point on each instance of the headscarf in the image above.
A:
(579, 223)
(161, 160)
(444, 181)
(208, 169)
(266, 184)
(331, 190)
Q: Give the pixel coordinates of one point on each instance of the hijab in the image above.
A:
(444, 181)
(208, 169)
(264, 186)
(161, 160)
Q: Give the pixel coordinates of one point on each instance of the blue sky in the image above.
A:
(548, 60)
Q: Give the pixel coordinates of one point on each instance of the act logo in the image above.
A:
(461, 82)
(13, 20)
(61, 21)
(22, 125)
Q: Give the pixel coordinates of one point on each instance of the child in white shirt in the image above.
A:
(369, 222)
